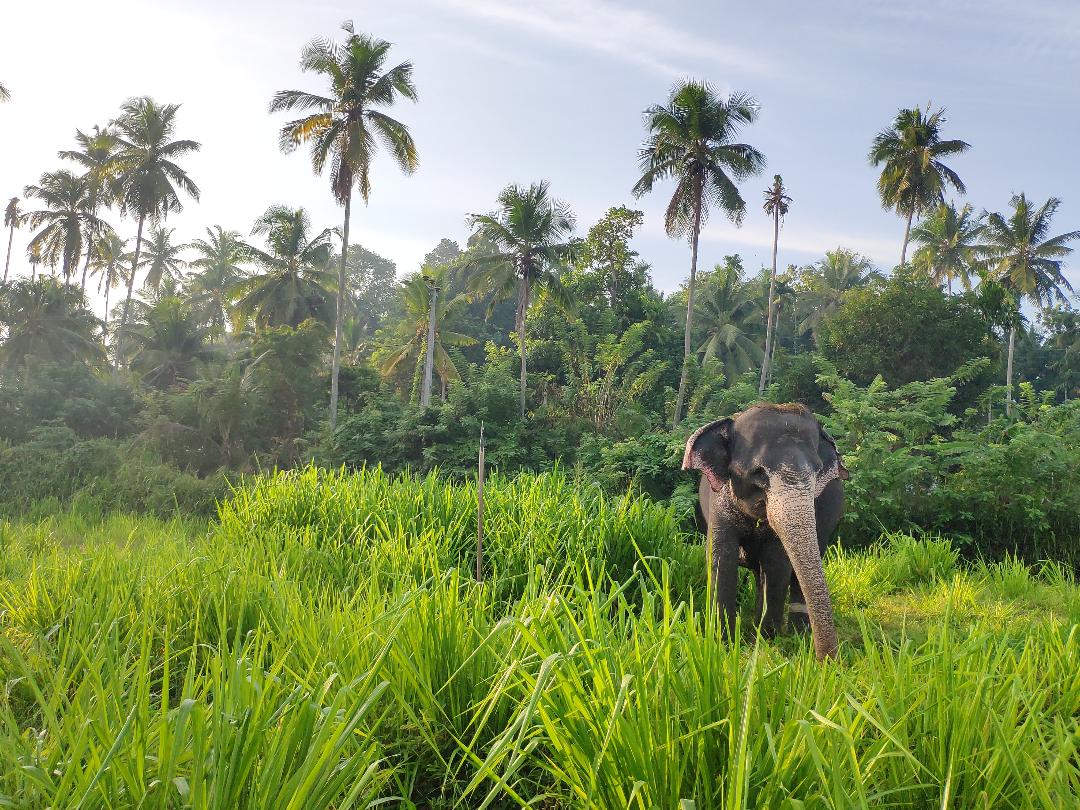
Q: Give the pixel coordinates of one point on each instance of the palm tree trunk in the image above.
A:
(105, 319)
(523, 305)
(907, 234)
(85, 267)
(769, 326)
(7, 262)
(684, 376)
(339, 316)
(429, 354)
(130, 289)
(1009, 372)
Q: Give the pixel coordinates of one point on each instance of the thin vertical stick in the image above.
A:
(480, 511)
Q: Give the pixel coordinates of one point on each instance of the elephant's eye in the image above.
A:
(759, 478)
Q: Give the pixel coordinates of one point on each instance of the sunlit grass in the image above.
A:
(324, 645)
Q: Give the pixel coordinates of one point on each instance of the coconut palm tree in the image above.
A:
(295, 283)
(731, 318)
(65, 221)
(948, 245)
(14, 217)
(692, 141)
(149, 180)
(167, 343)
(162, 261)
(913, 177)
(33, 255)
(107, 258)
(48, 321)
(841, 270)
(95, 154)
(530, 235)
(207, 291)
(423, 329)
(345, 128)
(5, 94)
(1026, 261)
(776, 205)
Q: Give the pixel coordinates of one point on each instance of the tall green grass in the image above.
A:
(323, 645)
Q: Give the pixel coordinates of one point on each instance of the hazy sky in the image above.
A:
(518, 91)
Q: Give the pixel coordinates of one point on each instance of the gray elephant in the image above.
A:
(771, 494)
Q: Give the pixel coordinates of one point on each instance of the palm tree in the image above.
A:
(33, 255)
(167, 343)
(95, 154)
(692, 140)
(948, 243)
(14, 217)
(776, 205)
(530, 235)
(148, 177)
(218, 262)
(344, 131)
(841, 270)
(64, 221)
(5, 94)
(731, 317)
(423, 330)
(1026, 261)
(913, 178)
(295, 283)
(108, 253)
(48, 321)
(162, 261)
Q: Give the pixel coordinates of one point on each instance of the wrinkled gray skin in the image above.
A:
(771, 493)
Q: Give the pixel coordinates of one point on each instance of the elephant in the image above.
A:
(771, 494)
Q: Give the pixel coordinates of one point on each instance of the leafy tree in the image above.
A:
(46, 321)
(913, 177)
(14, 217)
(372, 288)
(95, 155)
(948, 243)
(776, 205)
(606, 248)
(692, 140)
(64, 220)
(148, 177)
(731, 320)
(295, 282)
(530, 232)
(1026, 261)
(167, 343)
(344, 131)
(825, 283)
(423, 329)
(162, 261)
(219, 259)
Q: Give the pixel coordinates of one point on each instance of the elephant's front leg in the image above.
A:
(776, 571)
(724, 560)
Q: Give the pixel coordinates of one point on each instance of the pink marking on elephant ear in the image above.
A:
(707, 450)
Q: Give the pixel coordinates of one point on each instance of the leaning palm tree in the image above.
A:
(732, 320)
(1026, 261)
(913, 178)
(219, 270)
(65, 220)
(162, 261)
(14, 217)
(530, 234)
(295, 281)
(424, 330)
(776, 205)
(147, 174)
(48, 321)
(108, 254)
(692, 141)
(948, 245)
(344, 130)
(95, 154)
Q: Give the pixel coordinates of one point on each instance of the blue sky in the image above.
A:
(518, 91)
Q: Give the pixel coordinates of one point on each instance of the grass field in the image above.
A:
(323, 645)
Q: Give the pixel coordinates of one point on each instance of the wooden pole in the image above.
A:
(480, 511)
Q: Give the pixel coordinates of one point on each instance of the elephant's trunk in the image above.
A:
(790, 505)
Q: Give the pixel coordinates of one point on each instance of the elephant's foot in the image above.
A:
(798, 617)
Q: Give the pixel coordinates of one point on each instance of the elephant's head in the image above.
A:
(775, 460)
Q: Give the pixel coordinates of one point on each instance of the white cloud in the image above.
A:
(624, 33)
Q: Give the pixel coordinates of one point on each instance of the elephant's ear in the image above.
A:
(709, 450)
(841, 471)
